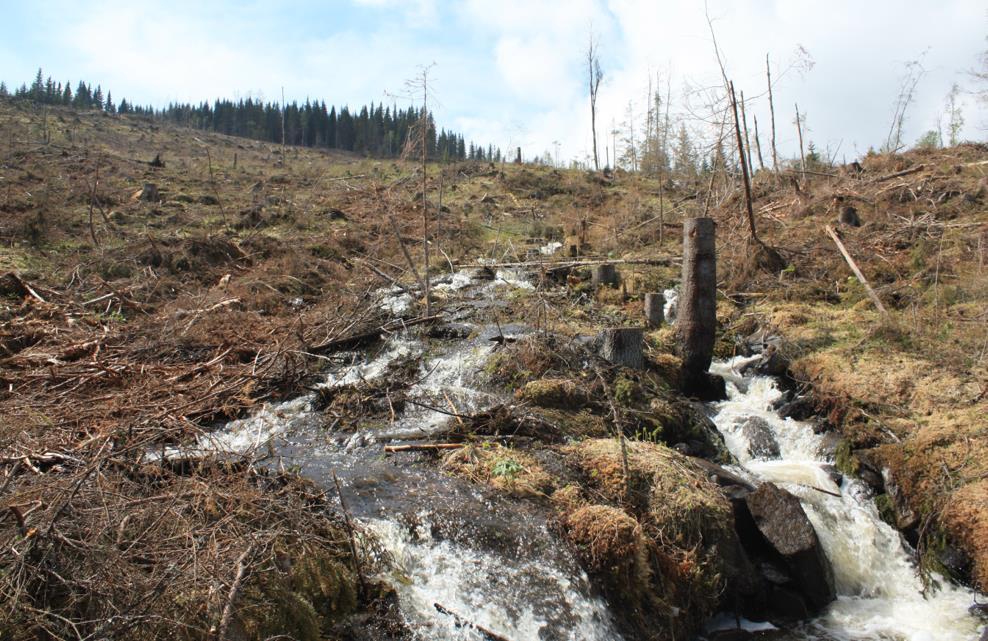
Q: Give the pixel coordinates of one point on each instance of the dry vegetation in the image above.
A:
(131, 323)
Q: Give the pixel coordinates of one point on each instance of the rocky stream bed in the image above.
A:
(504, 507)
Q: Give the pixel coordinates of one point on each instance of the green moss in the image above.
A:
(627, 391)
(886, 509)
(844, 459)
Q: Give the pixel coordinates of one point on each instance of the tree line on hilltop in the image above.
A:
(375, 130)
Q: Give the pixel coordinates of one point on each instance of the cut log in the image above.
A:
(623, 346)
(655, 303)
(149, 193)
(696, 317)
(857, 272)
(605, 274)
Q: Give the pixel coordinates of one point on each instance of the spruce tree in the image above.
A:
(3, 90)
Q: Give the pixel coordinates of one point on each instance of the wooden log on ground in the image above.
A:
(364, 338)
(671, 260)
(605, 274)
(623, 346)
(696, 318)
(857, 272)
(655, 303)
(422, 447)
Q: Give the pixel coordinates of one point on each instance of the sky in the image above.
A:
(513, 72)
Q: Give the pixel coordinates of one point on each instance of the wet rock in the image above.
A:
(869, 471)
(800, 408)
(905, 517)
(770, 363)
(687, 425)
(761, 441)
(780, 519)
(958, 563)
(788, 604)
(828, 445)
(450, 331)
(707, 388)
(834, 474)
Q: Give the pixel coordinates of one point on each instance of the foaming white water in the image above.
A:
(457, 281)
(398, 347)
(550, 248)
(484, 591)
(672, 305)
(880, 596)
(512, 277)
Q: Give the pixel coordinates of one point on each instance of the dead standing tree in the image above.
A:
(595, 75)
(418, 144)
(771, 110)
(696, 318)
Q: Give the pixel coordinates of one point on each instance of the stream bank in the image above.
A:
(533, 522)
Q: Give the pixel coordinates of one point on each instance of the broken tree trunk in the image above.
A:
(605, 274)
(623, 346)
(696, 318)
(857, 272)
(655, 303)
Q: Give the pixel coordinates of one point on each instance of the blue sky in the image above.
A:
(510, 72)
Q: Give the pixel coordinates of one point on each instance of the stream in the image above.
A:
(465, 555)
(879, 595)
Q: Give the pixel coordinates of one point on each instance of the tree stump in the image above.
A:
(696, 318)
(623, 346)
(605, 274)
(655, 303)
(149, 193)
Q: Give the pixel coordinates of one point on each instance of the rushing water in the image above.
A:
(880, 596)
(464, 561)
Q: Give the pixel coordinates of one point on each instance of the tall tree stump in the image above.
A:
(655, 303)
(623, 346)
(696, 318)
(605, 274)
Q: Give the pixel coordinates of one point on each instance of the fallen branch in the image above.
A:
(231, 597)
(672, 260)
(461, 622)
(370, 336)
(904, 172)
(422, 447)
(857, 272)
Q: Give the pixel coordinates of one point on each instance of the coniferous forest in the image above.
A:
(373, 130)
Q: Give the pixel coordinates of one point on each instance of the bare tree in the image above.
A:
(595, 75)
(799, 130)
(955, 114)
(907, 93)
(771, 109)
(743, 157)
(758, 144)
(418, 141)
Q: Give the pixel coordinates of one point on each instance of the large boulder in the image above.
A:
(780, 519)
(761, 440)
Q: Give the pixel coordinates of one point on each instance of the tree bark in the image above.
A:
(623, 346)
(605, 274)
(696, 318)
(744, 169)
(655, 303)
(771, 108)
